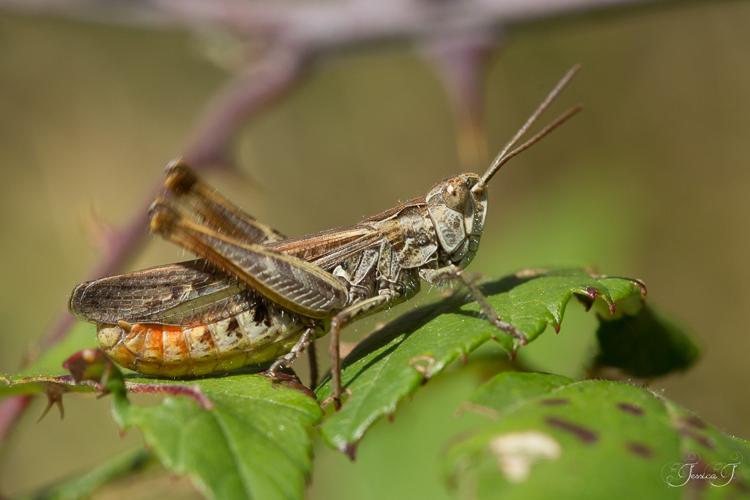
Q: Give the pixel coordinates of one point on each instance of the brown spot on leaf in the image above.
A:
(694, 421)
(704, 441)
(554, 401)
(631, 408)
(640, 449)
(585, 435)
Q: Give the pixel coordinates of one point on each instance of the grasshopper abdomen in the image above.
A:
(257, 335)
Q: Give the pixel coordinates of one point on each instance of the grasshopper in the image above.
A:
(255, 296)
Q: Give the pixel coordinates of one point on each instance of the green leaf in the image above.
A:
(241, 436)
(592, 439)
(515, 386)
(394, 361)
(644, 345)
(16, 385)
(84, 485)
(91, 371)
(249, 439)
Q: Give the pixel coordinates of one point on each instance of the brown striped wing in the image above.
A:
(292, 283)
(176, 294)
(329, 248)
(196, 292)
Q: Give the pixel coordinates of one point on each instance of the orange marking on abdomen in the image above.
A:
(175, 349)
(153, 349)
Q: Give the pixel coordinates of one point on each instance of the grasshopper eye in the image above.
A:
(455, 196)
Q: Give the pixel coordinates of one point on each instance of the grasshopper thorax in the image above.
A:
(458, 214)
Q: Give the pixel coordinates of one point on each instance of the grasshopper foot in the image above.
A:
(510, 330)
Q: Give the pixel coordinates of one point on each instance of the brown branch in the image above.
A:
(248, 94)
(460, 63)
(458, 32)
(322, 24)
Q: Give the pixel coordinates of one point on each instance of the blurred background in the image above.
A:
(650, 181)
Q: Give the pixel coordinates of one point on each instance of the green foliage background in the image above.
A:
(650, 181)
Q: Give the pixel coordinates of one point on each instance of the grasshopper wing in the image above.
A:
(176, 294)
(293, 283)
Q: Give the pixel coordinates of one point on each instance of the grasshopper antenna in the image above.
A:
(509, 151)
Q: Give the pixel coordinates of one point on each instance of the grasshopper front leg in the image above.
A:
(455, 273)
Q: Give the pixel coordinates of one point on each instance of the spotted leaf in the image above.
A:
(592, 439)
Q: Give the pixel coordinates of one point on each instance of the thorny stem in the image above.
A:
(260, 86)
(293, 34)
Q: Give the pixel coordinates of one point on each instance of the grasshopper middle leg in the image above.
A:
(312, 358)
(339, 322)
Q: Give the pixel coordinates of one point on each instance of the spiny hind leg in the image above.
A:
(456, 274)
(304, 342)
(212, 208)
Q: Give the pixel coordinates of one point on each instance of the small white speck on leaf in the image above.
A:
(517, 452)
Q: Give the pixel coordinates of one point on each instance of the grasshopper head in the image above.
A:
(458, 213)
